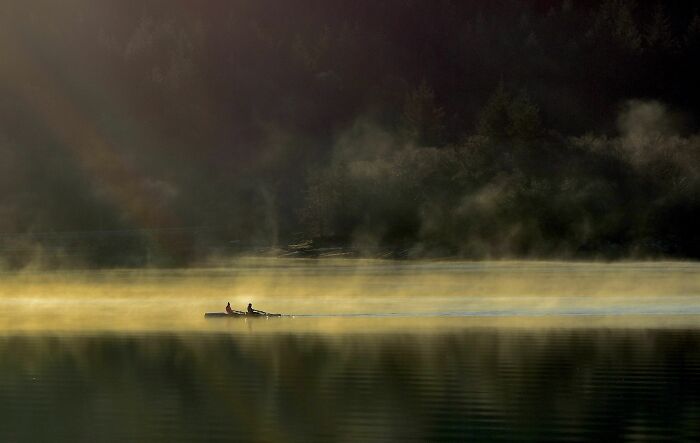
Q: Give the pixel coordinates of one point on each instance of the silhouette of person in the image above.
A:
(228, 308)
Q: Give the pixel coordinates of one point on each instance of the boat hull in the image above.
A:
(234, 315)
(221, 315)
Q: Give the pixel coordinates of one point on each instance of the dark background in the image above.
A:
(164, 132)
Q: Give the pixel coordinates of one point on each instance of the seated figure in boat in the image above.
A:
(252, 311)
(228, 308)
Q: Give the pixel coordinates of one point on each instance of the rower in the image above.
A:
(251, 311)
(228, 308)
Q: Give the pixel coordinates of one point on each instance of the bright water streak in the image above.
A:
(378, 351)
(175, 300)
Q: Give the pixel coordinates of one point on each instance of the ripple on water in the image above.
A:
(480, 384)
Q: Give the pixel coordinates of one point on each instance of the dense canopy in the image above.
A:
(164, 132)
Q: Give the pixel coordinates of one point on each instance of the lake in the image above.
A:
(375, 351)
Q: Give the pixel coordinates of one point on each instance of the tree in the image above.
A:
(494, 117)
(692, 35)
(509, 117)
(659, 35)
(615, 21)
(423, 119)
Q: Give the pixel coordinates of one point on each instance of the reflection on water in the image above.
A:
(377, 351)
(477, 383)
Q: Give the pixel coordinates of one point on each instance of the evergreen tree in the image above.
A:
(509, 117)
(659, 34)
(423, 119)
(614, 21)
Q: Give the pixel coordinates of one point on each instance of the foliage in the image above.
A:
(158, 132)
(493, 197)
(423, 119)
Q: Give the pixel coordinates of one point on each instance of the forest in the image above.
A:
(169, 133)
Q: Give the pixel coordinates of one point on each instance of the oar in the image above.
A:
(267, 313)
(259, 312)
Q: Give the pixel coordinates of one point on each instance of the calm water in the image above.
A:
(482, 383)
(376, 352)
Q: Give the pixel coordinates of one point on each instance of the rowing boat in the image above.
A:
(239, 314)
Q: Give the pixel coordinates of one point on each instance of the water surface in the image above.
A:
(376, 351)
(482, 383)
(170, 300)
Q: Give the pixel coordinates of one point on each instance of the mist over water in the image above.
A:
(331, 291)
(373, 350)
(359, 152)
